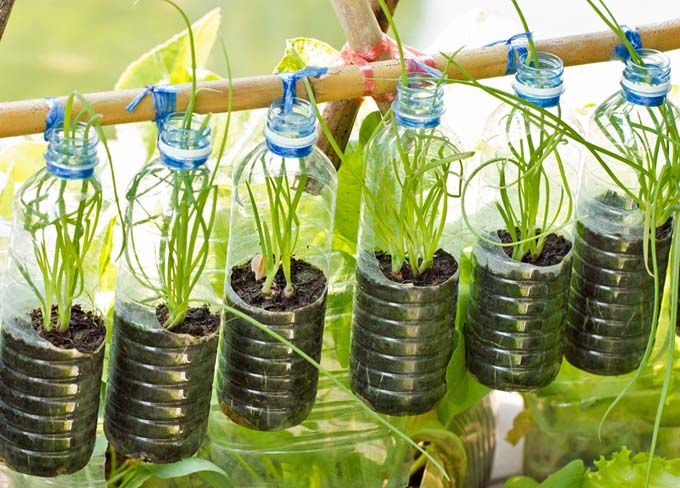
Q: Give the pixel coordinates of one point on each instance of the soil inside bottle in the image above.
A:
(86, 331)
(443, 267)
(199, 321)
(309, 283)
(555, 248)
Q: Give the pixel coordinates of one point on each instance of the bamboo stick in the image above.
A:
(359, 21)
(5, 10)
(28, 116)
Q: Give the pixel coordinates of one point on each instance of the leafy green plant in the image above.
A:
(524, 184)
(278, 238)
(185, 229)
(73, 232)
(409, 205)
(622, 469)
(411, 228)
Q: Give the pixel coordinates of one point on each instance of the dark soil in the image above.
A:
(443, 267)
(554, 250)
(199, 322)
(663, 232)
(309, 283)
(86, 331)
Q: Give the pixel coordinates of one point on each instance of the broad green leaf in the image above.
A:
(184, 468)
(7, 195)
(570, 476)
(623, 470)
(350, 187)
(521, 482)
(369, 127)
(18, 162)
(464, 390)
(303, 51)
(171, 60)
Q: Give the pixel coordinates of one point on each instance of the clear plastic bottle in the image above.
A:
(166, 314)
(403, 326)
(50, 394)
(261, 383)
(611, 304)
(517, 305)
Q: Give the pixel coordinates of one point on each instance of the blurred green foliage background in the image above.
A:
(51, 47)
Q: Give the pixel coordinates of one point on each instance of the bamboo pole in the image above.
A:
(5, 10)
(359, 21)
(28, 116)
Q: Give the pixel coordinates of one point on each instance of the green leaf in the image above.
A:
(350, 187)
(29, 155)
(186, 467)
(303, 51)
(368, 127)
(467, 390)
(521, 482)
(171, 60)
(570, 476)
(622, 470)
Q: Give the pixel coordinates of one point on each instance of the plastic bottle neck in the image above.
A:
(649, 84)
(183, 148)
(292, 134)
(420, 104)
(541, 85)
(72, 157)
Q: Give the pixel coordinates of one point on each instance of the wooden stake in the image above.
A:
(343, 82)
(359, 20)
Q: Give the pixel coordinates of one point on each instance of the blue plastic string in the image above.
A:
(416, 65)
(55, 116)
(290, 79)
(633, 37)
(164, 101)
(516, 47)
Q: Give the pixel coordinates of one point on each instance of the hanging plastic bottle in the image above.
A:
(521, 260)
(611, 303)
(52, 342)
(406, 281)
(165, 317)
(277, 268)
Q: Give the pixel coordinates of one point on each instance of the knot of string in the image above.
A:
(517, 46)
(362, 58)
(164, 101)
(633, 37)
(290, 79)
(54, 118)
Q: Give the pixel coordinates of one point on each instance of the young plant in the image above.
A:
(279, 236)
(524, 188)
(409, 205)
(72, 231)
(411, 228)
(186, 227)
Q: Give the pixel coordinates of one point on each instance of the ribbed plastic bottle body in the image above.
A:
(611, 304)
(526, 172)
(261, 383)
(50, 397)
(403, 335)
(160, 381)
